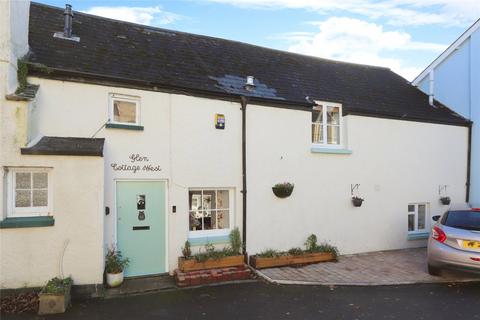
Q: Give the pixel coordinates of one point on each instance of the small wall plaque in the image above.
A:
(219, 121)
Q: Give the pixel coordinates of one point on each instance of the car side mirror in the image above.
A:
(435, 218)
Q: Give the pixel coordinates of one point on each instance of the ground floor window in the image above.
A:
(417, 217)
(29, 192)
(210, 210)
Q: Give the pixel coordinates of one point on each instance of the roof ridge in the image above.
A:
(213, 37)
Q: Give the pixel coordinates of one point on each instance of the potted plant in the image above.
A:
(445, 200)
(357, 201)
(283, 190)
(313, 253)
(55, 296)
(115, 264)
(212, 258)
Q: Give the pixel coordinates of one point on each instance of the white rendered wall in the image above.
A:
(395, 162)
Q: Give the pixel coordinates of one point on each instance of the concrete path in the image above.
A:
(376, 268)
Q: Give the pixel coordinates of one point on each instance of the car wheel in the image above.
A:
(433, 271)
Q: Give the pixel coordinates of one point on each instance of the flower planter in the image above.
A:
(114, 279)
(288, 260)
(282, 192)
(51, 303)
(445, 200)
(357, 202)
(186, 265)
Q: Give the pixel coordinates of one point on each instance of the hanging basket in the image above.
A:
(283, 190)
(445, 201)
(357, 202)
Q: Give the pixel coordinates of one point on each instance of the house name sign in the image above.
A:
(136, 163)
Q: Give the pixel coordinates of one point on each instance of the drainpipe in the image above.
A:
(244, 102)
(469, 155)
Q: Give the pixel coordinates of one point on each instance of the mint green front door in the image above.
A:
(141, 226)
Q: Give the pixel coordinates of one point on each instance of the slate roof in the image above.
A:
(152, 57)
(67, 146)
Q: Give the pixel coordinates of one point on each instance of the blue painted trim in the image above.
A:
(27, 222)
(124, 126)
(201, 241)
(418, 236)
(330, 150)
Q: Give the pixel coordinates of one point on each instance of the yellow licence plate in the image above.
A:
(471, 244)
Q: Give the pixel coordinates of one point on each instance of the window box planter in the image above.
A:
(445, 200)
(357, 202)
(56, 300)
(187, 265)
(283, 190)
(288, 260)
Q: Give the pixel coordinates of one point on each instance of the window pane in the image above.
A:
(195, 200)
(40, 198)
(333, 115)
(124, 111)
(208, 220)
(411, 222)
(196, 220)
(317, 133)
(317, 115)
(421, 216)
(23, 180)
(223, 199)
(333, 134)
(411, 208)
(208, 199)
(40, 180)
(22, 198)
(223, 219)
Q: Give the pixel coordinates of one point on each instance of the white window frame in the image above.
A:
(214, 232)
(415, 213)
(120, 97)
(14, 212)
(325, 105)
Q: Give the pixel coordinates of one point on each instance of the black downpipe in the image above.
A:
(244, 102)
(469, 156)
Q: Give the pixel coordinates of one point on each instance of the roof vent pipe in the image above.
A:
(68, 19)
(431, 86)
(250, 84)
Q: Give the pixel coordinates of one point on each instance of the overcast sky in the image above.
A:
(404, 35)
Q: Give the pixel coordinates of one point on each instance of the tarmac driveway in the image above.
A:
(377, 268)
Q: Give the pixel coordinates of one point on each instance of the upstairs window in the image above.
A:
(327, 124)
(30, 192)
(124, 109)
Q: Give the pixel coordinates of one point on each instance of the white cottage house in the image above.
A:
(118, 133)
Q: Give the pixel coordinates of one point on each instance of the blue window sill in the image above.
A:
(27, 222)
(330, 150)
(124, 126)
(418, 236)
(201, 241)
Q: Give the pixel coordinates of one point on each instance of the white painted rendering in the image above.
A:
(179, 136)
(395, 162)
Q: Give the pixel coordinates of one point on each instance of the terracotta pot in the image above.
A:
(114, 279)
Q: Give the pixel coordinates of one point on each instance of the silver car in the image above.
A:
(455, 241)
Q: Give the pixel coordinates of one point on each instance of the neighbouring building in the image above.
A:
(114, 133)
(454, 79)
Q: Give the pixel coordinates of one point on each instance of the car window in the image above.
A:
(464, 219)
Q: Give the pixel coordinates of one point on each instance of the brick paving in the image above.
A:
(375, 268)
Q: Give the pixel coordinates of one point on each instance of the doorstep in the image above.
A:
(139, 285)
